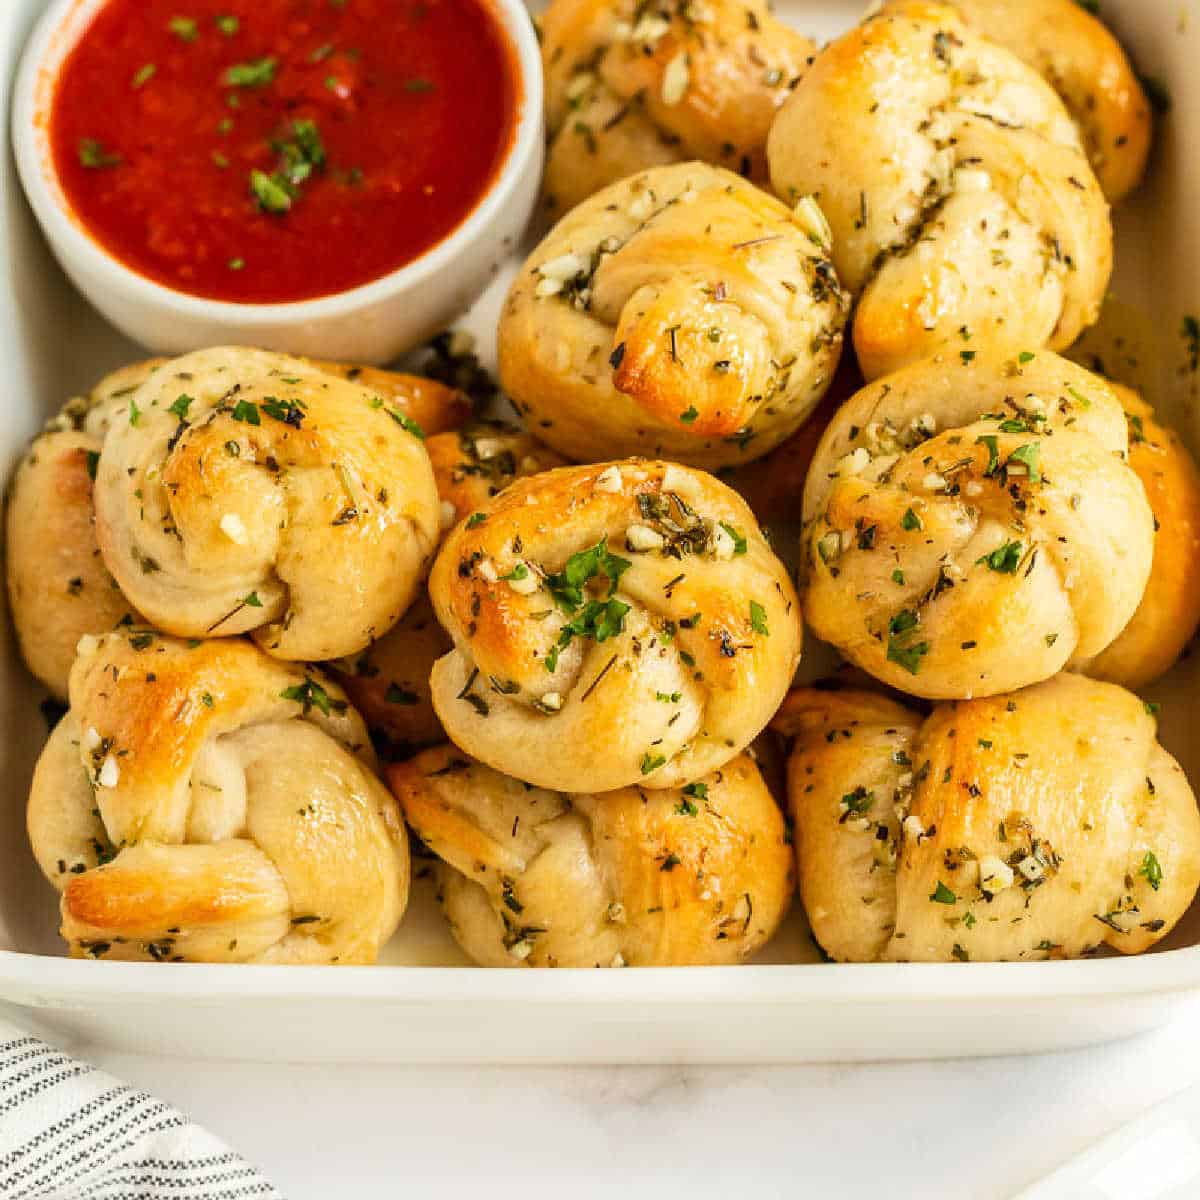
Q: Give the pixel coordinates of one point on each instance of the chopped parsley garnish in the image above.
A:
(1003, 559)
(476, 518)
(758, 618)
(992, 443)
(184, 28)
(181, 405)
(739, 541)
(1153, 708)
(581, 568)
(272, 195)
(252, 600)
(289, 412)
(855, 803)
(93, 155)
(93, 461)
(1151, 871)
(254, 74)
(668, 697)
(310, 694)
(651, 762)
(135, 413)
(1028, 455)
(670, 862)
(943, 895)
(689, 414)
(1026, 356)
(907, 656)
(967, 356)
(697, 790)
(243, 410)
(686, 808)
(898, 576)
(910, 520)
(407, 423)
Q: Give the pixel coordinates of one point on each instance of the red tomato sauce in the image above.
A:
(280, 150)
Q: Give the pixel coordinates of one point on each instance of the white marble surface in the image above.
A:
(983, 1128)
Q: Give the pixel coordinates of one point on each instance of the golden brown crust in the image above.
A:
(58, 586)
(435, 407)
(388, 682)
(1080, 58)
(682, 313)
(672, 666)
(630, 878)
(277, 482)
(207, 802)
(952, 179)
(475, 463)
(1035, 825)
(973, 526)
(630, 86)
(773, 486)
(1169, 613)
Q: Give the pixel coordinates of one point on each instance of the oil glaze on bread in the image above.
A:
(631, 86)
(205, 802)
(973, 525)
(529, 877)
(1042, 824)
(962, 206)
(680, 313)
(246, 491)
(613, 624)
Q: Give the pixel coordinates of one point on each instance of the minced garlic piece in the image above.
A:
(676, 78)
(812, 220)
(642, 538)
(609, 480)
(109, 773)
(234, 529)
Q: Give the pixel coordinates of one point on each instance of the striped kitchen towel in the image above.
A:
(71, 1132)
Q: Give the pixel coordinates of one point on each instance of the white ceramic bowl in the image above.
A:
(372, 323)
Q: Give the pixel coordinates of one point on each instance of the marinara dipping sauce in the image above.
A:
(280, 150)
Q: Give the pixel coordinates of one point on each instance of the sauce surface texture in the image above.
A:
(280, 150)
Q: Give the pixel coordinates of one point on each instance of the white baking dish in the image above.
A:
(423, 1003)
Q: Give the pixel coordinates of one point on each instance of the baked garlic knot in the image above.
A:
(613, 624)
(242, 491)
(203, 801)
(1043, 824)
(685, 876)
(681, 313)
(58, 586)
(1167, 618)
(973, 526)
(962, 207)
(1076, 54)
(631, 85)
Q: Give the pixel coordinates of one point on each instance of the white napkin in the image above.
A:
(71, 1132)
